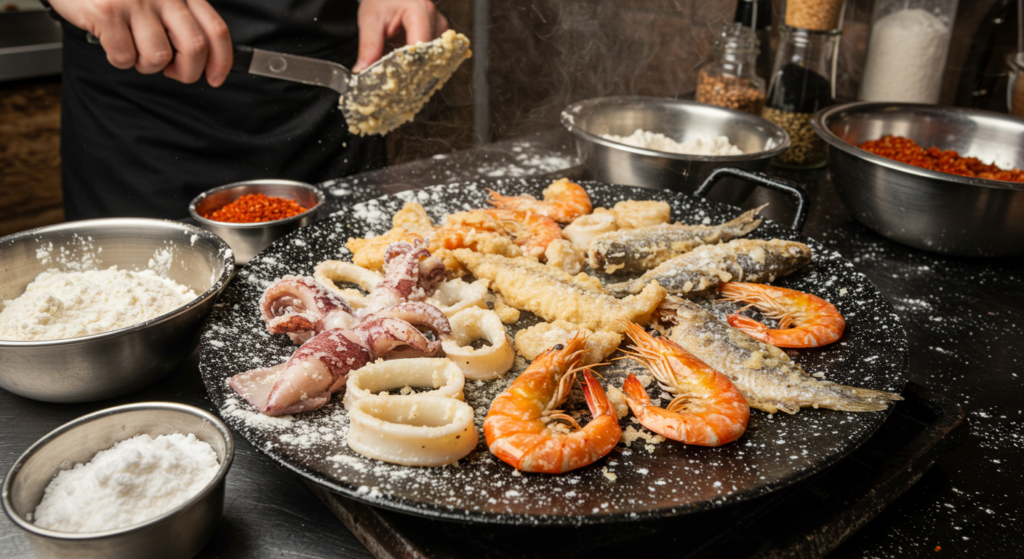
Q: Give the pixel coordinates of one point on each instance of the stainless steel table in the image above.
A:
(962, 317)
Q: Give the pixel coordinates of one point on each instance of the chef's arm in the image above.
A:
(405, 22)
(182, 38)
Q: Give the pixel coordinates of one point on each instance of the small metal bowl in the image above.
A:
(248, 239)
(928, 210)
(112, 363)
(680, 120)
(178, 533)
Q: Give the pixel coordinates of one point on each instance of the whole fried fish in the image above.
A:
(701, 270)
(763, 373)
(555, 295)
(636, 250)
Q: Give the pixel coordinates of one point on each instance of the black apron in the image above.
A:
(144, 146)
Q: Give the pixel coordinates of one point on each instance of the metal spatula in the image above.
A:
(381, 97)
(302, 69)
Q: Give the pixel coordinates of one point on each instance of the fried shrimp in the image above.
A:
(563, 201)
(707, 410)
(497, 231)
(805, 320)
(524, 427)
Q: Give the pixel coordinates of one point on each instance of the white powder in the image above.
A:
(138, 479)
(62, 305)
(708, 145)
(906, 58)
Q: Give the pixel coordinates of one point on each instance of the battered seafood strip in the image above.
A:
(765, 375)
(555, 295)
(636, 250)
(701, 270)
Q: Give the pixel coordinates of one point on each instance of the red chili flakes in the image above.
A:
(907, 151)
(256, 208)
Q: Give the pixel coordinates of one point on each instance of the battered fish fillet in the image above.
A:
(765, 375)
(637, 250)
(701, 270)
(532, 341)
(414, 219)
(555, 295)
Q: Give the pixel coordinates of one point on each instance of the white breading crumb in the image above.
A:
(631, 434)
(704, 145)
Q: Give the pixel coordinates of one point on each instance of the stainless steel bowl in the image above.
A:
(179, 533)
(932, 211)
(248, 239)
(680, 120)
(121, 361)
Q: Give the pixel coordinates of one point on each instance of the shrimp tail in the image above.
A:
(597, 400)
(749, 326)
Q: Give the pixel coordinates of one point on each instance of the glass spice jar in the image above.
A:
(729, 79)
(803, 82)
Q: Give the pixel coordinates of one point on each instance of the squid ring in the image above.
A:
(330, 271)
(485, 363)
(440, 374)
(586, 227)
(418, 430)
(456, 295)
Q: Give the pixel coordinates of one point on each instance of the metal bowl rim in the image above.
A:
(320, 198)
(818, 123)
(598, 102)
(227, 271)
(219, 426)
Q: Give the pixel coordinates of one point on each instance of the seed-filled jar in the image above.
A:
(729, 79)
(803, 81)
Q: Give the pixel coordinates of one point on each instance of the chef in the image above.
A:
(151, 116)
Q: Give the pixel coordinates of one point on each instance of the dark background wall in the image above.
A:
(540, 55)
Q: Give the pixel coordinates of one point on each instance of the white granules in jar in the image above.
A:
(906, 58)
(137, 479)
(709, 145)
(62, 305)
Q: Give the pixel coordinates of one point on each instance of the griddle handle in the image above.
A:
(761, 179)
(243, 59)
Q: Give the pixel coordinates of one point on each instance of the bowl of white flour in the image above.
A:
(670, 144)
(99, 308)
(141, 480)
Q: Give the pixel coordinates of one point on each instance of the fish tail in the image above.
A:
(745, 223)
(851, 398)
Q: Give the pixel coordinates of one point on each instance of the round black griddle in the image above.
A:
(643, 480)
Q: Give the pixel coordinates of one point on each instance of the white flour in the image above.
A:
(62, 305)
(708, 145)
(137, 479)
(906, 58)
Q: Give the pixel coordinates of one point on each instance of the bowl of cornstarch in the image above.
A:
(99, 308)
(141, 480)
(671, 144)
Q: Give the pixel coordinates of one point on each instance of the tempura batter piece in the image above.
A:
(414, 219)
(555, 295)
(369, 253)
(533, 341)
(636, 214)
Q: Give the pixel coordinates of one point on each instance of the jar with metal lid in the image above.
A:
(730, 78)
(803, 81)
(907, 50)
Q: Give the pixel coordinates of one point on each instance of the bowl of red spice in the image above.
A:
(250, 215)
(941, 179)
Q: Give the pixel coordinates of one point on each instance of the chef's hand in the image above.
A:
(183, 38)
(405, 22)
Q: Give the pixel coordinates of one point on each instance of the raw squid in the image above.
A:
(385, 327)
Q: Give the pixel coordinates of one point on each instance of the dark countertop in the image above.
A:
(960, 315)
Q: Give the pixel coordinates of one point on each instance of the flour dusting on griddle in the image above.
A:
(643, 480)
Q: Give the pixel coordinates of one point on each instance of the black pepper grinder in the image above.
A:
(803, 81)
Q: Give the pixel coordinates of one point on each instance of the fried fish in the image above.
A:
(636, 250)
(701, 270)
(765, 375)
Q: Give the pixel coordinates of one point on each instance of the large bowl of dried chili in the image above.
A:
(249, 215)
(929, 176)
